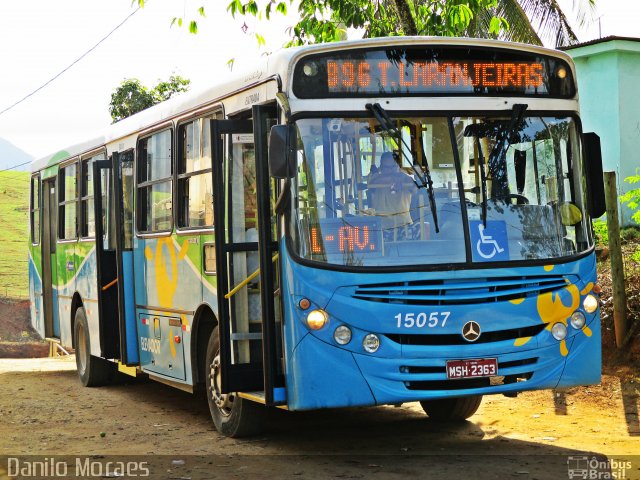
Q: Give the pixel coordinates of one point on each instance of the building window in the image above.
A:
(87, 214)
(68, 188)
(154, 183)
(35, 210)
(195, 191)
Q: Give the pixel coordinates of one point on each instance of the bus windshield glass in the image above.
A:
(505, 188)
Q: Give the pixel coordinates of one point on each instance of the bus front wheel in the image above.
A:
(232, 415)
(451, 409)
(92, 371)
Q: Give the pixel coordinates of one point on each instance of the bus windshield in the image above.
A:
(504, 188)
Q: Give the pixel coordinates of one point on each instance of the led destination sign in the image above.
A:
(335, 236)
(349, 75)
(432, 71)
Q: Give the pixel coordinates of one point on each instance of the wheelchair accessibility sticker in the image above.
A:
(490, 243)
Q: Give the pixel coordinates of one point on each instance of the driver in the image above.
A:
(390, 191)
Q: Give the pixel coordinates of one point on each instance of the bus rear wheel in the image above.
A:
(92, 371)
(232, 415)
(451, 409)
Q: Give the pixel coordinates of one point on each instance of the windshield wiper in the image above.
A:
(483, 179)
(389, 126)
(499, 186)
(503, 136)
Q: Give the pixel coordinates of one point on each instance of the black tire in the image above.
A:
(92, 371)
(232, 416)
(451, 409)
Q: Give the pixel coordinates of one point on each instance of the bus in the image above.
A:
(361, 223)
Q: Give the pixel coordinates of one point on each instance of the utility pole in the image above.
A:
(615, 254)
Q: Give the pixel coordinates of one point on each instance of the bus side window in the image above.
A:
(195, 190)
(154, 183)
(87, 214)
(68, 199)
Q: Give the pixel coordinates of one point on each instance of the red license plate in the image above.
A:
(479, 367)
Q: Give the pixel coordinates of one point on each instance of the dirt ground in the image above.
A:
(45, 411)
(17, 337)
(630, 355)
(539, 435)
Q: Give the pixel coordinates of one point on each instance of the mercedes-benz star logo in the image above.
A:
(471, 331)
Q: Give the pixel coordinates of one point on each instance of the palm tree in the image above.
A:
(534, 21)
(530, 21)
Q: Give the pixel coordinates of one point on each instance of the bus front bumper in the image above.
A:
(326, 376)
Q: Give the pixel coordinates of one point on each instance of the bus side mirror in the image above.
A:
(282, 151)
(595, 182)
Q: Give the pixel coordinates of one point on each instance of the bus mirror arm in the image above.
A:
(593, 159)
(282, 203)
(282, 146)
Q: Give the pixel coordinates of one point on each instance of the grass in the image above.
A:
(14, 215)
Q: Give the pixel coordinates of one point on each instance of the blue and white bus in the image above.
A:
(359, 223)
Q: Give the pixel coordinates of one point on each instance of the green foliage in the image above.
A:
(526, 21)
(630, 233)
(165, 90)
(635, 256)
(129, 98)
(601, 232)
(632, 197)
(132, 97)
(322, 21)
(14, 215)
(193, 25)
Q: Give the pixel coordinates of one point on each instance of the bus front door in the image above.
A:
(244, 256)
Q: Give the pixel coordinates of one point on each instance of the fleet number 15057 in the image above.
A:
(422, 319)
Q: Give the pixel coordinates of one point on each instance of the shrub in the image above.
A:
(632, 197)
(630, 233)
(601, 232)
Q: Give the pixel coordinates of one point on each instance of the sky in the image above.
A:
(40, 38)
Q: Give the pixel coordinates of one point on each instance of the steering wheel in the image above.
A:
(520, 199)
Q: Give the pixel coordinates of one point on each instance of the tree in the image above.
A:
(527, 21)
(132, 97)
(532, 21)
(326, 20)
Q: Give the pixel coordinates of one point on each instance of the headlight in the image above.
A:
(590, 303)
(342, 335)
(559, 331)
(578, 320)
(316, 319)
(371, 343)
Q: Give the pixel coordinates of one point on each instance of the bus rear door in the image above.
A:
(113, 184)
(49, 263)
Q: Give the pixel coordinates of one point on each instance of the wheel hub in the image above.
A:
(224, 401)
(81, 351)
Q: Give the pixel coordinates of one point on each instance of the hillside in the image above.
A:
(14, 214)
(11, 155)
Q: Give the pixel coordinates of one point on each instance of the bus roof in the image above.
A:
(277, 65)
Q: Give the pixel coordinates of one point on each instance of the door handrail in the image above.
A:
(246, 281)
(110, 284)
